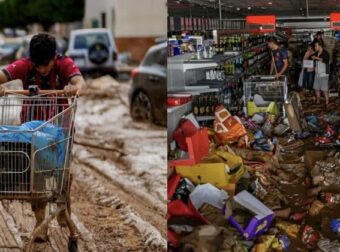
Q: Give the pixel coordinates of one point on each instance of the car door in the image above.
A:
(154, 78)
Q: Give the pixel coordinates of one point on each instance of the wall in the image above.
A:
(134, 23)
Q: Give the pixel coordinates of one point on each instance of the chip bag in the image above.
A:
(228, 129)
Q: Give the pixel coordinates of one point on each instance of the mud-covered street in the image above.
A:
(119, 181)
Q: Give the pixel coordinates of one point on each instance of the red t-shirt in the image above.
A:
(64, 69)
(33, 109)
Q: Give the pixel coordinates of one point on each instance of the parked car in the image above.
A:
(93, 51)
(147, 94)
(9, 49)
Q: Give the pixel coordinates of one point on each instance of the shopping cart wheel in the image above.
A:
(72, 245)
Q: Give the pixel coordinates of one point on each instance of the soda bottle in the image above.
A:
(207, 106)
(212, 105)
(201, 107)
(195, 107)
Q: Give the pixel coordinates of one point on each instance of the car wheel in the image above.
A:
(98, 53)
(141, 108)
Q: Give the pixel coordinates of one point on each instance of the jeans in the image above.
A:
(308, 79)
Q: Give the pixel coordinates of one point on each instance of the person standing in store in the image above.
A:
(279, 64)
(319, 37)
(321, 57)
(308, 72)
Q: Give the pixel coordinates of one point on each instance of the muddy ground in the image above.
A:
(119, 181)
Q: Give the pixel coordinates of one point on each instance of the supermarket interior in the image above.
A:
(253, 125)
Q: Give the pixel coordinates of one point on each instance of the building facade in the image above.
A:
(135, 23)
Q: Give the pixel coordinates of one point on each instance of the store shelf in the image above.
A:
(197, 90)
(254, 47)
(178, 108)
(205, 118)
(261, 61)
(191, 65)
(208, 63)
(257, 65)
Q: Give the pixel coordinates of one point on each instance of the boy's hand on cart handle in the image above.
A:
(277, 76)
(70, 90)
(2, 90)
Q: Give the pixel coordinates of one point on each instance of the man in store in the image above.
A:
(48, 70)
(279, 63)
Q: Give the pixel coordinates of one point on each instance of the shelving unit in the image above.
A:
(187, 75)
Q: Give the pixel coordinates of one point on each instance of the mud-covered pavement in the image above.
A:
(118, 193)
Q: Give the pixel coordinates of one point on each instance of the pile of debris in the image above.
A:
(255, 184)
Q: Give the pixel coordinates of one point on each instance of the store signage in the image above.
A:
(261, 24)
(171, 23)
(335, 20)
(182, 24)
(187, 23)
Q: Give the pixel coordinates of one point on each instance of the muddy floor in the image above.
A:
(118, 192)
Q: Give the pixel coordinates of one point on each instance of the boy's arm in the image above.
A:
(77, 85)
(3, 79)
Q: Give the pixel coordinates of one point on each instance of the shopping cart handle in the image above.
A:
(41, 92)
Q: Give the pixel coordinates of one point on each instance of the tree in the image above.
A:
(19, 13)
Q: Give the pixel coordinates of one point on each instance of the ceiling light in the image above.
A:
(270, 3)
(263, 8)
(249, 8)
(238, 9)
(230, 6)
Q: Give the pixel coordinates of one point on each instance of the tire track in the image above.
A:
(101, 191)
(20, 222)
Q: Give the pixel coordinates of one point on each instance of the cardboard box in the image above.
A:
(263, 216)
(311, 156)
(292, 117)
(221, 169)
(198, 147)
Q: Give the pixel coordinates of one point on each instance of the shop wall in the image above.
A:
(137, 46)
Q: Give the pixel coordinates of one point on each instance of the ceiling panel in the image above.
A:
(241, 8)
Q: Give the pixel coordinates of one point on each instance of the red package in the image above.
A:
(310, 237)
(179, 208)
(198, 147)
(172, 238)
(185, 129)
(172, 185)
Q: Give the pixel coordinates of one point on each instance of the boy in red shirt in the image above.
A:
(48, 71)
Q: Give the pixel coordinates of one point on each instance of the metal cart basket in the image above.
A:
(273, 92)
(36, 137)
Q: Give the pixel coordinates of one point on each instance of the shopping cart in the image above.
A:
(36, 138)
(265, 94)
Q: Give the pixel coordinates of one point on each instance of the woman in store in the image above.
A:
(308, 72)
(321, 57)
